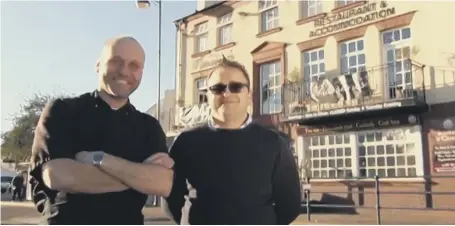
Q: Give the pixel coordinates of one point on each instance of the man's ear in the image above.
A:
(97, 67)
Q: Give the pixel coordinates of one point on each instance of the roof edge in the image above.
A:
(200, 11)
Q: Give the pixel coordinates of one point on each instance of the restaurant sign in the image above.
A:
(350, 18)
(378, 123)
(193, 115)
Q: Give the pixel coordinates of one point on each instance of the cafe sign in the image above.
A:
(210, 60)
(350, 18)
(369, 124)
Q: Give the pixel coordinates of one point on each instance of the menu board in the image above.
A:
(442, 146)
(443, 150)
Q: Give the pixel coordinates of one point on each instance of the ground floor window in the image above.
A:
(388, 153)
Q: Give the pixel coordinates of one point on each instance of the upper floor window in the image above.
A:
(269, 14)
(225, 29)
(201, 34)
(201, 90)
(396, 45)
(310, 8)
(313, 67)
(340, 3)
(271, 82)
(352, 56)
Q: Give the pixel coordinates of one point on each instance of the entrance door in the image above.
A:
(397, 56)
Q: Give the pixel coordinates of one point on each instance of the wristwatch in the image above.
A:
(98, 158)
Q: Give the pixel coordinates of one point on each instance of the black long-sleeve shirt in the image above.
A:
(245, 176)
(87, 123)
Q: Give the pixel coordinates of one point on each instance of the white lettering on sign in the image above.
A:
(193, 115)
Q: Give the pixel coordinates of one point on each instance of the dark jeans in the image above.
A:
(17, 191)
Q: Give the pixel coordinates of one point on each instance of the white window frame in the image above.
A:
(200, 90)
(340, 3)
(225, 29)
(276, 77)
(352, 55)
(270, 15)
(310, 73)
(413, 138)
(201, 36)
(310, 8)
(406, 65)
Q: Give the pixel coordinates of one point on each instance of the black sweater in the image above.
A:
(245, 176)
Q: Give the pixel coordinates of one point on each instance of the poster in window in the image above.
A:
(441, 139)
(338, 89)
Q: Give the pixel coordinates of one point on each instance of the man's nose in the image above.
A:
(124, 70)
(227, 92)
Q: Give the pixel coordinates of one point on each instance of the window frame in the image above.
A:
(305, 8)
(277, 88)
(340, 3)
(354, 145)
(310, 63)
(222, 26)
(200, 91)
(267, 7)
(400, 44)
(199, 34)
(359, 67)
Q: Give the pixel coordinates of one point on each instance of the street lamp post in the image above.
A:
(144, 4)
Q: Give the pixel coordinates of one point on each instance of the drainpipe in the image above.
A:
(178, 68)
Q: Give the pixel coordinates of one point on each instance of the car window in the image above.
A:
(7, 179)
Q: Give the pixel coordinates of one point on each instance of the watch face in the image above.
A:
(98, 157)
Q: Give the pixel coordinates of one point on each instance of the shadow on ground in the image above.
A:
(325, 205)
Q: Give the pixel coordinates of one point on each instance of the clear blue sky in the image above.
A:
(52, 47)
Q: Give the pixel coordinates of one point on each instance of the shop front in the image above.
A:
(390, 147)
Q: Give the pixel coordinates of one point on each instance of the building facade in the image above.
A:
(167, 115)
(363, 88)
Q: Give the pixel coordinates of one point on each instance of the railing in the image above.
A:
(377, 193)
(390, 85)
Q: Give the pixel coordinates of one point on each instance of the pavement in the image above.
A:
(24, 213)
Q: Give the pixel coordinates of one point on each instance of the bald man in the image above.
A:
(95, 158)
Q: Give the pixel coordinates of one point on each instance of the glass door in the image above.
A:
(397, 55)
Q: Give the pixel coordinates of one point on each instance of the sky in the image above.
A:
(51, 47)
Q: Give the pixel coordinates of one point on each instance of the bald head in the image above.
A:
(111, 44)
(120, 66)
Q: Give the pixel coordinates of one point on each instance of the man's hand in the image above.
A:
(161, 159)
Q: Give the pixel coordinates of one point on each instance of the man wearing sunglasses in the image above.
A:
(232, 171)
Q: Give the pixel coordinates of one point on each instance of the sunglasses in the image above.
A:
(234, 87)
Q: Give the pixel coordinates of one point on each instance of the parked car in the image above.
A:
(6, 183)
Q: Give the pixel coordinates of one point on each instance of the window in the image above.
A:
(271, 87)
(269, 14)
(397, 48)
(340, 3)
(387, 153)
(313, 67)
(201, 89)
(331, 156)
(225, 29)
(310, 8)
(352, 56)
(201, 35)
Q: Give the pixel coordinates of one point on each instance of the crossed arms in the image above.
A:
(55, 164)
